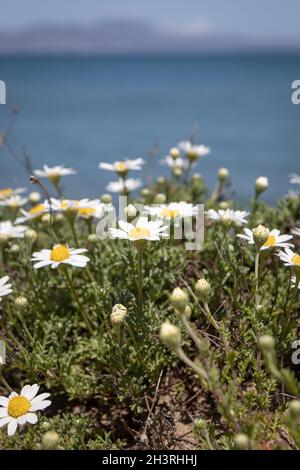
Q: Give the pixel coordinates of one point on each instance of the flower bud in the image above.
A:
(130, 211)
(93, 238)
(50, 440)
(160, 198)
(21, 302)
(46, 219)
(177, 171)
(14, 249)
(30, 235)
(170, 335)
(179, 299)
(224, 205)
(294, 408)
(241, 441)
(174, 152)
(118, 314)
(266, 342)
(161, 180)
(223, 175)
(260, 235)
(203, 290)
(58, 218)
(196, 177)
(145, 192)
(261, 184)
(187, 312)
(34, 197)
(106, 198)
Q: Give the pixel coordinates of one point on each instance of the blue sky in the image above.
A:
(258, 18)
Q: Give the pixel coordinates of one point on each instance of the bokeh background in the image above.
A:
(101, 81)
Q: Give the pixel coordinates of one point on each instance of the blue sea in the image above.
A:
(83, 110)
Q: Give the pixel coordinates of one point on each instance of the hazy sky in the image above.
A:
(264, 18)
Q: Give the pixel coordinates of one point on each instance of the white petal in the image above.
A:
(32, 392)
(40, 405)
(31, 418)
(39, 398)
(3, 412)
(41, 264)
(125, 226)
(5, 421)
(4, 401)
(12, 427)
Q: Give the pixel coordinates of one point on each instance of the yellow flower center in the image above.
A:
(18, 406)
(121, 167)
(271, 241)
(296, 259)
(37, 209)
(86, 211)
(139, 233)
(170, 213)
(60, 253)
(5, 192)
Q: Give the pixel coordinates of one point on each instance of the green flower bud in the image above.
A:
(261, 184)
(21, 302)
(174, 152)
(14, 249)
(130, 211)
(241, 441)
(170, 335)
(93, 238)
(179, 299)
(260, 235)
(223, 175)
(161, 180)
(34, 197)
(203, 290)
(294, 408)
(224, 205)
(160, 198)
(266, 343)
(30, 235)
(118, 314)
(106, 198)
(50, 440)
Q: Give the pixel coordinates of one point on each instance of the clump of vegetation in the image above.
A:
(136, 341)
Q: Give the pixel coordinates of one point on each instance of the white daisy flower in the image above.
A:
(54, 173)
(275, 240)
(296, 231)
(8, 192)
(228, 216)
(122, 167)
(20, 409)
(294, 178)
(122, 186)
(8, 230)
(84, 208)
(5, 288)
(142, 230)
(193, 152)
(170, 162)
(34, 212)
(172, 211)
(60, 254)
(14, 201)
(289, 258)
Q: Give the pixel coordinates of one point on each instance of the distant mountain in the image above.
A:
(124, 37)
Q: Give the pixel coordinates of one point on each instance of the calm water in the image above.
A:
(79, 111)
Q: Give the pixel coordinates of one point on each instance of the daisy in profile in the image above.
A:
(275, 240)
(54, 173)
(122, 167)
(62, 205)
(87, 209)
(14, 201)
(174, 163)
(9, 192)
(294, 179)
(228, 216)
(60, 254)
(172, 211)
(193, 152)
(8, 230)
(296, 231)
(33, 213)
(289, 258)
(124, 186)
(21, 409)
(142, 230)
(5, 288)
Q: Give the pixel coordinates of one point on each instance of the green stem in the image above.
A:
(257, 298)
(140, 281)
(9, 389)
(76, 298)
